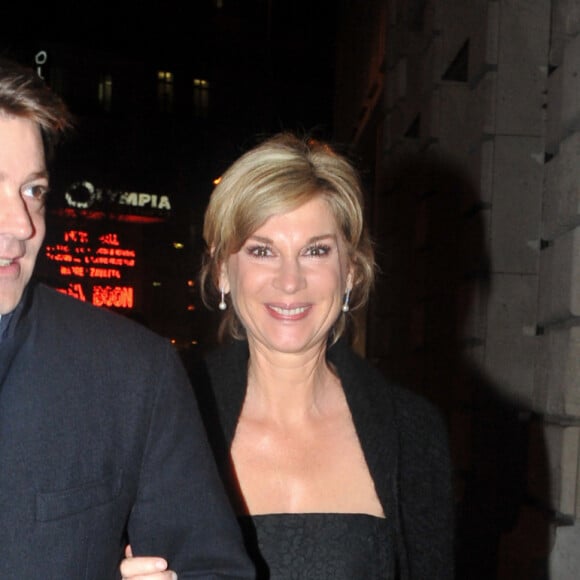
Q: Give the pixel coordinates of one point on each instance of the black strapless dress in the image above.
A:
(320, 546)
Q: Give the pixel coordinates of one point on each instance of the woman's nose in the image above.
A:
(290, 276)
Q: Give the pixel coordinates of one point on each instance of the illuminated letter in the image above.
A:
(128, 199)
(40, 58)
(164, 203)
(81, 195)
(144, 199)
(119, 296)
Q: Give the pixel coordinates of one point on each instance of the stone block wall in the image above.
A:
(471, 155)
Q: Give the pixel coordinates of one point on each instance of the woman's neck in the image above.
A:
(289, 388)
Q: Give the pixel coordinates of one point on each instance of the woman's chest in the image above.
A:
(318, 468)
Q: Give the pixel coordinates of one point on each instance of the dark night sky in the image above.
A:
(286, 47)
(271, 64)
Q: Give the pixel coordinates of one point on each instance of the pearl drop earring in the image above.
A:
(345, 306)
(222, 305)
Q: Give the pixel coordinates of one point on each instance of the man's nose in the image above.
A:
(15, 217)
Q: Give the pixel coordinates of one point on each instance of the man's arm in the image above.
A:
(182, 512)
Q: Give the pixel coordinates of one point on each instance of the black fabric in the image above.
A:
(101, 442)
(320, 546)
(404, 442)
(4, 322)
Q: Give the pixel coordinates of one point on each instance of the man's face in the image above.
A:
(23, 188)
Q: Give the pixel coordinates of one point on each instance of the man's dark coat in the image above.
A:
(100, 444)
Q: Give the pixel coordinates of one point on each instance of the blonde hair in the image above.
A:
(275, 177)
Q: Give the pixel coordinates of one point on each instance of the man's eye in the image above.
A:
(35, 191)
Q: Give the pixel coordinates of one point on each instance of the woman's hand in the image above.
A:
(142, 568)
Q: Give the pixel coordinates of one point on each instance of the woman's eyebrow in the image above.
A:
(262, 239)
(322, 237)
(313, 239)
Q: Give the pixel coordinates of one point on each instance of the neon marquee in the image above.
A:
(94, 270)
(118, 296)
(83, 195)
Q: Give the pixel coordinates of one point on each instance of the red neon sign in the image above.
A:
(117, 296)
(78, 259)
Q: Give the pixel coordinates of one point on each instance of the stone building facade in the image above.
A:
(465, 120)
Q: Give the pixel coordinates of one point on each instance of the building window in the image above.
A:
(165, 91)
(105, 92)
(200, 97)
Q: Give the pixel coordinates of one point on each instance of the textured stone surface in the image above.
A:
(562, 446)
(565, 560)
(516, 205)
(571, 87)
(560, 279)
(510, 351)
(515, 126)
(561, 205)
(522, 66)
(557, 375)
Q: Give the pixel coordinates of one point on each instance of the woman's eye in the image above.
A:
(318, 251)
(35, 191)
(259, 251)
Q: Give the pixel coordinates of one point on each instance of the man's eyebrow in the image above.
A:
(41, 174)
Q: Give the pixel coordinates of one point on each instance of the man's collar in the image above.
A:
(5, 324)
(9, 321)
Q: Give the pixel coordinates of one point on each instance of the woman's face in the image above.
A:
(288, 280)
